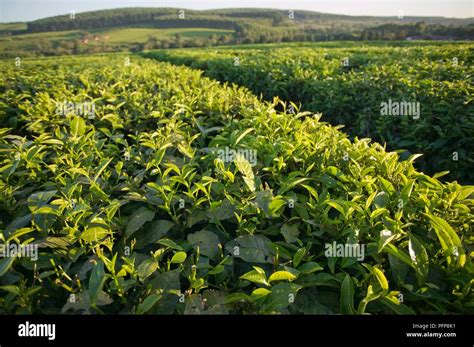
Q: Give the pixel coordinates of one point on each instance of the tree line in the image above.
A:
(419, 30)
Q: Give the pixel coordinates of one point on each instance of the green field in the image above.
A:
(12, 26)
(138, 208)
(28, 41)
(140, 35)
(112, 37)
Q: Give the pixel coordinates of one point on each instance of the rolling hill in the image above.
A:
(135, 29)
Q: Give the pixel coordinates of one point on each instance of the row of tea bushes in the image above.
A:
(350, 86)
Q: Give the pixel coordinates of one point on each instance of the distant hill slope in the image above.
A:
(153, 16)
(136, 29)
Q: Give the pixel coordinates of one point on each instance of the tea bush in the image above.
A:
(438, 77)
(136, 211)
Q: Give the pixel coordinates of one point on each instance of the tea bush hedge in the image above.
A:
(349, 84)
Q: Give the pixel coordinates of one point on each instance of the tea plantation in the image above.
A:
(179, 194)
(348, 83)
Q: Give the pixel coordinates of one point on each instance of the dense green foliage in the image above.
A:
(418, 30)
(439, 77)
(133, 208)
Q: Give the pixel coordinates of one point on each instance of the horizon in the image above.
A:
(14, 10)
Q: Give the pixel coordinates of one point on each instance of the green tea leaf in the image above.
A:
(40, 199)
(170, 243)
(5, 265)
(245, 169)
(310, 267)
(299, 256)
(256, 276)
(259, 293)
(448, 239)
(78, 126)
(347, 296)
(138, 218)
(148, 303)
(281, 276)
(235, 297)
(419, 257)
(96, 281)
(282, 295)
(178, 258)
(146, 269)
(207, 241)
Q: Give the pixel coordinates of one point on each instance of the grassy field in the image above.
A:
(141, 35)
(12, 26)
(112, 36)
(28, 41)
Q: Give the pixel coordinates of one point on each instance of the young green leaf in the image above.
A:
(256, 276)
(178, 258)
(245, 169)
(281, 276)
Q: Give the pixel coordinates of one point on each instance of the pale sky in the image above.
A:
(25, 10)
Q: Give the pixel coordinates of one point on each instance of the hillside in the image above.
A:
(154, 16)
(136, 29)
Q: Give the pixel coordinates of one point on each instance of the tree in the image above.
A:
(178, 40)
(151, 43)
(277, 19)
(420, 27)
